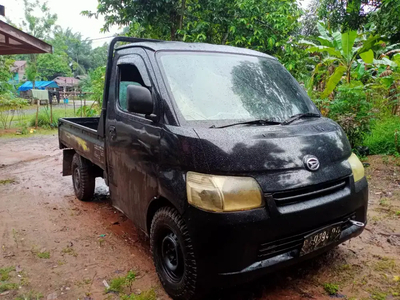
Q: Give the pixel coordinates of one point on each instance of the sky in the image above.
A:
(68, 12)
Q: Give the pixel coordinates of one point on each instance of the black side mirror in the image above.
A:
(139, 100)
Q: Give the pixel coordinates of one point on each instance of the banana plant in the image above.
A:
(341, 50)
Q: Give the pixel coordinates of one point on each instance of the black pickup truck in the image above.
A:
(221, 158)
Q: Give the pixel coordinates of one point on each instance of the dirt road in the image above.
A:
(58, 247)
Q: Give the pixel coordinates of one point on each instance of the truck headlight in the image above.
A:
(223, 193)
(357, 167)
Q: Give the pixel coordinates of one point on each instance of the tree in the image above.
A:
(341, 53)
(99, 57)
(347, 14)
(39, 27)
(94, 83)
(31, 71)
(387, 20)
(79, 53)
(52, 65)
(379, 16)
(162, 17)
(310, 19)
(5, 74)
(263, 25)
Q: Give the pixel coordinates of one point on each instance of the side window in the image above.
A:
(128, 74)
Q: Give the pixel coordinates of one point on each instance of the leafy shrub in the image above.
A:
(9, 108)
(331, 288)
(385, 136)
(44, 119)
(94, 83)
(352, 111)
(87, 111)
(117, 285)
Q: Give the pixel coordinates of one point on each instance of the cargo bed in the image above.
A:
(81, 135)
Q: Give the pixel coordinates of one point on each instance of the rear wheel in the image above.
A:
(83, 178)
(173, 254)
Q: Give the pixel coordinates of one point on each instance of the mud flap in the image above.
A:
(68, 154)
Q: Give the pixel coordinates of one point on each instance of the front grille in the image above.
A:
(308, 193)
(295, 242)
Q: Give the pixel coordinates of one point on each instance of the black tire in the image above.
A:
(168, 231)
(83, 179)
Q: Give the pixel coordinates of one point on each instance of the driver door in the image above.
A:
(133, 144)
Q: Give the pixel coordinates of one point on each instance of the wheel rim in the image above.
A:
(172, 257)
(77, 179)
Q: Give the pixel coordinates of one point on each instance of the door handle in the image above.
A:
(113, 132)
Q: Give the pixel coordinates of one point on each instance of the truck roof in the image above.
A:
(182, 46)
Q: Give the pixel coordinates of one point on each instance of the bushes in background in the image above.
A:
(44, 119)
(385, 136)
(352, 111)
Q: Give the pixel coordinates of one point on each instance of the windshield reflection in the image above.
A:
(216, 86)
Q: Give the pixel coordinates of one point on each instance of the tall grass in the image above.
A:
(44, 119)
(385, 136)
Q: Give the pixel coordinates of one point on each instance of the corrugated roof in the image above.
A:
(18, 64)
(66, 81)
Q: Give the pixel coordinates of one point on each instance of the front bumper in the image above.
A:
(236, 247)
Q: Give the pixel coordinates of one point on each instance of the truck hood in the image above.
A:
(274, 155)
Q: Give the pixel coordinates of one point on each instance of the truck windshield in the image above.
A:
(221, 86)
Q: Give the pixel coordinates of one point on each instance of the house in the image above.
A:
(18, 70)
(41, 91)
(67, 84)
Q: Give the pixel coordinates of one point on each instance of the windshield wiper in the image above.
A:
(260, 122)
(299, 116)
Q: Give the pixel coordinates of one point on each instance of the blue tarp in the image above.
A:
(39, 85)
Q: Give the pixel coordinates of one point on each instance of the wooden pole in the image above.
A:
(51, 110)
(37, 114)
(74, 108)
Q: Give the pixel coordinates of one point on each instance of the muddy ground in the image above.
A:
(56, 247)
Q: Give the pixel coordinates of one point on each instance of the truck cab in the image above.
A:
(220, 157)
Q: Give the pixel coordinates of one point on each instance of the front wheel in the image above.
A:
(83, 179)
(173, 254)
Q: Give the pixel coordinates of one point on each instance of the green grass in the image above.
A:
(45, 254)
(121, 285)
(39, 131)
(146, 295)
(69, 251)
(30, 296)
(117, 285)
(376, 295)
(44, 119)
(382, 139)
(385, 264)
(28, 117)
(7, 181)
(8, 286)
(5, 273)
(331, 288)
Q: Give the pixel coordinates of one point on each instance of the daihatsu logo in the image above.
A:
(311, 162)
